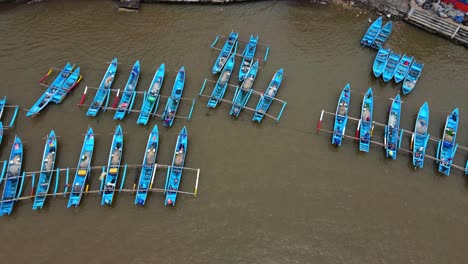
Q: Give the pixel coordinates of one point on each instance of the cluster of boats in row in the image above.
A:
(14, 177)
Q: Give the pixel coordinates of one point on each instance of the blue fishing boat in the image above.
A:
(2, 106)
(148, 168)
(267, 98)
(113, 167)
(248, 57)
(391, 66)
(72, 80)
(103, 91)
(447, 146)
(223, 80)
(242, 95)
(412, 77)
(47, 171)
(382, 36)
(128, 95)
(392, 132)
(420, 136)
(51, 90)
(341, 116)
(83, 169)
(225, 52)
(403, 68)
(174, 173)
(372, 32)
(380, 61)
(365, 123)
(174, 100)
(12, 178)
(151, 98)
(1, 131)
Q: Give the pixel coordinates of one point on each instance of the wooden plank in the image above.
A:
(455, 32)
(410, 12)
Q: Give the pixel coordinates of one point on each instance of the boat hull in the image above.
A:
(128, 94)
(148, 168)
(248, 57)
(104, 89)
(372, 32)
(382, 36)
(267, 98)
(173, 101)
(448, 146)
(12, 178)
(341, 116)
(392, 135)
(47, 171)
(225, 52)
(420, 136)
(113, 167)
(223, 81)
(152, 97)
(174, 173)
(365, 131)
(390, 67)
(380, 62)
(402, 68)
(412, 77)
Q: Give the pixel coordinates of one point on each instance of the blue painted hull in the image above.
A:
(12, 178)
(341, 116)
(173, 101)
(152, 96)
(365, 131)
(380, 62)
(267, 98)
(128, 93)
(372, 32)
(66, 87)
(113, 167)
(2, 106)
(223, 80)
(225, 52)
(47, 171)
(248, 57)
(174, 173)
(382, 36)
(391, 66)
(448, 146)
(243, 93)
(403, 68)
(1, 131)
(392, 135)
(103, 90)
(148, 168)
(420, 136)
(412, 77)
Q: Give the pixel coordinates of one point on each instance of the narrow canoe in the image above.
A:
(380, 61)
(341, 116)
(372, 32)
(103, 90)
(402, 68)
(174, 173)
(113, 167)
(225, 52)
(420, 136)
(151, 98)
(128, 93)
(248, 57)
(365, 130)
(12, 178)
(382, 36)
(267, 98)
(67, 86)
(173, 101)
(148, 168)
(47, 171)
(242, 95)
(412, 77)
(392, 134)
(448, 146)
(82, 171)
(390, 68)
(2, 106)
(223, 80)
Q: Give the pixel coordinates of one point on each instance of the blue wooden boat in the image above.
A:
(391, 66)
(382, 36)
(248, 57)
(242, 95)
(372, 32)
(223, 80)
(12, 178)
(380, 61)
(392, 132)
(1, 131)
(148, 168)
(104, 89)
(225, 52)
(151, 98)
(267, 98)
(447, 146)
(46, 98)
(420, 136)
(82, 170)
(412, 77)
(113, 167)
(70, 83)
(2, 106)
(341, 116)
(128, 94)
(47, 171)
(174, 100)
(365, 123)
(402, 68)
(174, 173)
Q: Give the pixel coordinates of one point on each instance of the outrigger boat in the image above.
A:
(372, 32)
(82, 171)
(174, 173)
(47, 171)
(267, 98)
(104, 89)
(128, 95)
(380, 61)
(151, 99)
(420, 136)
(248, 57)
(412, 77)
(382, 36)
(365, 126)
(225, 52)
(403, 68)
(223, 80)
(12, 179)
(392, 132)
(447, 145)
(391, 66)
(242, 94)
(113, 167)
(72, 81)
(174, 100)
(341, 116)
(148, 169)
